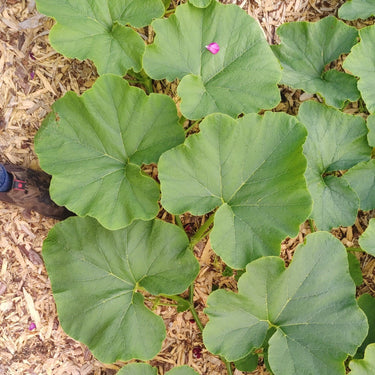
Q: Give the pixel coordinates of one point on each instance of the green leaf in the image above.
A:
(354, 9)
(364, 366)
(98, 32)
(96, 275)
(371, 133)
(355, 269)
(252, 169)
(367, 304)
(311, 307)
(361, 62)
(367, 239)
(145, 369)
(335, 142)
(249, 363)
(138, 369)
(94, 145)
(241, 78)
(306, 48)
(361, 179)
(200, 3)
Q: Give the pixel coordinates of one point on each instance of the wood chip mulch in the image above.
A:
(32, 77)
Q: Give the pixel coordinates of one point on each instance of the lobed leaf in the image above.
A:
(354, 9)
(251, 169)
(96, 275)
(361, 62)
(364, 366)
(305, 50)
(97, 31)
(367, 239)
(313, 327)
(241, 78)
(361, 179)
(94, 145)
(335, 142)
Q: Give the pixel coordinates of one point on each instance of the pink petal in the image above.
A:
(214, 48)
(32, 326)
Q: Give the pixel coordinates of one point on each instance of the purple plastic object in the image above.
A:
(214, 48)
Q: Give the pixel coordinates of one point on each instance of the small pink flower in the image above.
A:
(213, 48)
(32, 326)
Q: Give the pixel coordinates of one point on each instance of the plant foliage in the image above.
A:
(367, 239)
(354, 9)
(335, 142)
(241, 78)
(305, 50)
(253, 174)
(364, 366)
(257, 177)
(97, 276)
(361, 62)
(94, 146)
(98, 30)
(305, 315)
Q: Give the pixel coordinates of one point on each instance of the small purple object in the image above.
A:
(32, 326)
(214, 48)
(32, 75)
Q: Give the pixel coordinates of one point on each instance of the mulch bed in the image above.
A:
(32, 77)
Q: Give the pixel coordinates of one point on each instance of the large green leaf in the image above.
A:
(96, 275)
(94, 145)
(310, 308)
(306, 48)
(361, 179)
(361, 62)
(335, 141)
(241, 78)
(371, 127)
(354, 9)
(252, 169)
(367, 239)
(97, 31)
(364, 366)
(145, 369)
(367, 303)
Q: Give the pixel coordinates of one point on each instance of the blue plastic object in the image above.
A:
(5, 179)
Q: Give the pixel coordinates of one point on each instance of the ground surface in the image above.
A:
(32, 77)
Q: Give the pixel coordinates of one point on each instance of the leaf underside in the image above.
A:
(361, 62)
(335, 142)
(94, 145)
(95, 275)
(315, 326)
(98, 31)
(241, 78)
(305, 50)
(252, 172)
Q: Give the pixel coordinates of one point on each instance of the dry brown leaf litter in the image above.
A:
(32, 77)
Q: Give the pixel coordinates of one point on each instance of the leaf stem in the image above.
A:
(191, 126)
(311, 225)
(147, 82)
(192, 308)
(182, 120)
(179, 222)
(202, 231)
(357, 249)
(227, 365)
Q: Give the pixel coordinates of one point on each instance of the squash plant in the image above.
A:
(256, 177)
